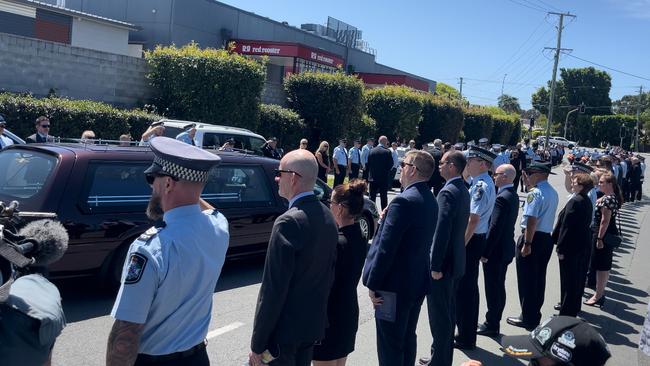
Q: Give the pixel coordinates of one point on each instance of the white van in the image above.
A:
(214, 136)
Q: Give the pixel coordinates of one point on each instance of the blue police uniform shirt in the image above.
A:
(169, 278)
(395, 158)
(354, 155)
(541, 203)
(365, 150)
(146, 142)
(341, 155)
(483, 195)
(185, 137)
(502, 158)
(5, 141)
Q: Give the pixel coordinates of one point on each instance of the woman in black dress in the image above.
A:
(605, 221)
(343, 307)
(572, 235)
(323, 159)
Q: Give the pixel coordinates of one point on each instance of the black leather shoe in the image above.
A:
(464, 346)
(423, 361)
(557, 306)
(518, 322)
(484, 330)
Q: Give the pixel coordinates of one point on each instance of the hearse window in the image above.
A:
(238, 186)
(117, 186)
(23, 174)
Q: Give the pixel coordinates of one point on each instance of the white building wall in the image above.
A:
(97, 36)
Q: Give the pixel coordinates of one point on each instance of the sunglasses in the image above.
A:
(152, 177)
(278, 172)
(45, 126)
(403, 164)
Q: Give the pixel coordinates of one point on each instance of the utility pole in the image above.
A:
(461, 90)
(638, 122)
(558, 48)
(503, 82)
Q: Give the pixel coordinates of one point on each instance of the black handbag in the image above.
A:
(612, 240)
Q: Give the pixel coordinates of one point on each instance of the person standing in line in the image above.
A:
(343, 306)
(291, 312)
(42, 134)
(354, 160)
(436, 182)
(156, 129)
(635, 180)
(340, 157)
(370, 144)
(397, 265)
(187, 136)
(323, 159)
(380, 163)
(303, 144)
(447, 258)
(518, 160)
(572, 236)
(535, 245)
(606, 211)
(395, 156)
(4, 141)
(501, 156)
(164, 305)
(500, 249)
(483, 196)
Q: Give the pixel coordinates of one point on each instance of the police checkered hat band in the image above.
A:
(583, 168)
(180, 172)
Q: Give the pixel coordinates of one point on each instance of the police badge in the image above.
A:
(137, 262)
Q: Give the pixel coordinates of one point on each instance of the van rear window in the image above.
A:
(24, 173)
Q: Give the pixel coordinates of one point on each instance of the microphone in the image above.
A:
(46, 241)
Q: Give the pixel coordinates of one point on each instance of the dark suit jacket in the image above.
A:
(436, 182)
(298, 275)
(572, 232)
(397, 260)
(36, 138)
(501, 233)
(448, 248)
(380, 163)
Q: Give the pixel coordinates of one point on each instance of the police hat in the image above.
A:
(483, 140)
(479, 152)
(180, 160)
(157, 123)
(582, 168)
(458, 146)
(539, 167)
(564, 339)
(189, 127)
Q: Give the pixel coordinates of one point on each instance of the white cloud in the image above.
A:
(634, 8)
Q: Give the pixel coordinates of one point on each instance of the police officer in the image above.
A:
(156, 129)
(163, 308)
(187, 136)
(502, 157)
(535, 245)
(365, 151)
(340, 157)
(482, 194)
(354, 160)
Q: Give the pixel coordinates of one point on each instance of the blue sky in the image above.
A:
(482, 40)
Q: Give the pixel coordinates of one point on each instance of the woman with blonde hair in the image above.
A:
(323, 158)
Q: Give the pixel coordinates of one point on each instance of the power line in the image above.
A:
(549, 5)
(509, 59)
(609, 68)
(528, 6)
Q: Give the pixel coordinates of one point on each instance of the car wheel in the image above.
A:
(366, 226)
(114, 275)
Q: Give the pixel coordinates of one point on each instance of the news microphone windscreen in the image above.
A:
(52, 239)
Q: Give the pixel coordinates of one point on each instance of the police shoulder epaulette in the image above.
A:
(150, 233)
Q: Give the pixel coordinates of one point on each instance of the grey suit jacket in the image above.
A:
(298, 275)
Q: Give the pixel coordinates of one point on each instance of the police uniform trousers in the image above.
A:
(397, 341)
(294, 354)
(573, 271)
(340, 177)
(196, 355)
(494, 275)
(467, 296)
(531, 276)
(354, 171)
(441, 306)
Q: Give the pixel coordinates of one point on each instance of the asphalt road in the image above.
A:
(83, 341)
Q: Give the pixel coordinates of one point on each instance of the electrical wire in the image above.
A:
(609, 68)
(528, 6)
(509, 59)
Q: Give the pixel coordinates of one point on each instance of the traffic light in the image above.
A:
(532, 122)
(582, 108)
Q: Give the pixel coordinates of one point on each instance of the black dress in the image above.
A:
(322, 172)
(601, 259)
(343, 307)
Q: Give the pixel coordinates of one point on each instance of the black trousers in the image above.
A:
(354, 171)
(494, 275)
(381, 189)
(199, 358)
(531, 276)
(441, 306)
(397, 341)
(517, 179)
(467, 296)
(340, 176)
(573, 271)
(294, 354)
(364, 175)
(625, 188)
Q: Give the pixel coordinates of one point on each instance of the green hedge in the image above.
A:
(503, 127)
(70, 118)
(282, 123)
(441, 119)
(478, 123)
(397, 110)
(606, 129)
(330, 104)
(515, 136)
(206, 85)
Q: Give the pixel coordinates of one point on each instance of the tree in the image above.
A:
(447, 91)
(509, 104)
(397, 111)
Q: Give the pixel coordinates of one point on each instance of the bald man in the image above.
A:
(291, 312)
(500, 248)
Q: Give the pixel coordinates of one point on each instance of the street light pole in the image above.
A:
(566, 120)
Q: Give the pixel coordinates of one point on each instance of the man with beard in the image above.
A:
(163, 308)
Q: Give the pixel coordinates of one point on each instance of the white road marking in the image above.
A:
(225, 329)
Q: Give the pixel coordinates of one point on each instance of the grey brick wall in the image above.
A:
(35, 66)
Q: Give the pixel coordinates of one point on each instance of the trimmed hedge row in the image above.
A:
(70, 118)
(397, 111)
(282, 123)
(441, 119)
(478, 124)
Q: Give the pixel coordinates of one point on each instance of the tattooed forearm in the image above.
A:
(123, 343)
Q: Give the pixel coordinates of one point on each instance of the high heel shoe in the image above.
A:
(600, 302)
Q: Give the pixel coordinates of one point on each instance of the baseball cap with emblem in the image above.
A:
(582, 168)
(479, 152)
(539, 167)
(180, 161)
(564, 339)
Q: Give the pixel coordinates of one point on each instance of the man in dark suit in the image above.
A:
(291, 309)
(436, 182)
(397, 261)
(500, 248)
(380, 163)
(447, 258)
(42, 134)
